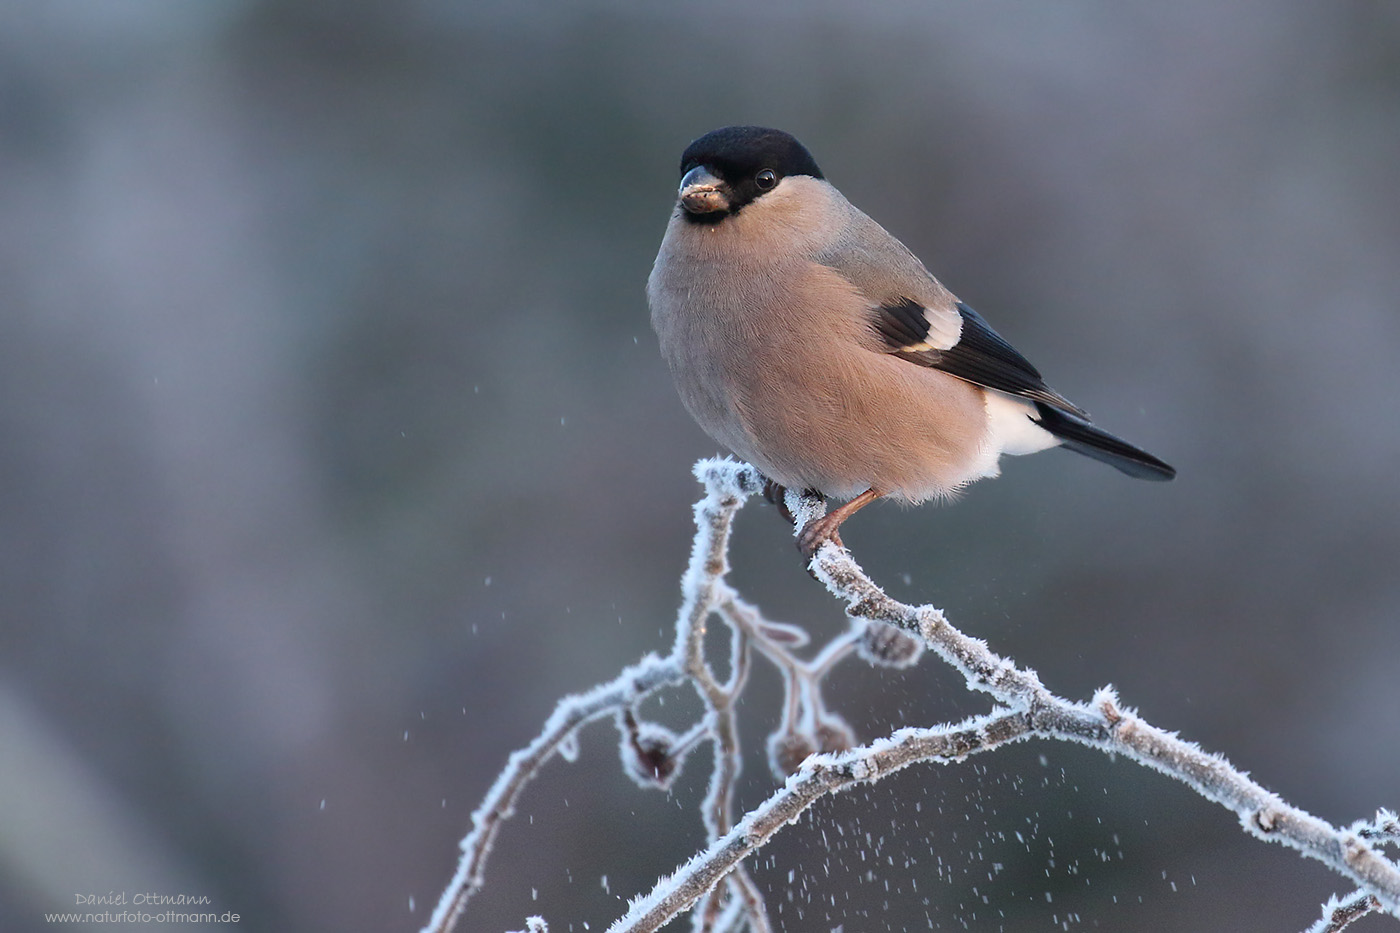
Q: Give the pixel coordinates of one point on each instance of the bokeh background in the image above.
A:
(335, 445)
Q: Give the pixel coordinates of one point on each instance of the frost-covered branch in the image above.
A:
(1338, 913)
(817, 777)
(1106, 725)
(812, 745)
(624, 691)
(655, 753)
(1385, 828)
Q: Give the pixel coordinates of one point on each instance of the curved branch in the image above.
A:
(727, 490)
(818, 776)
(1106, 725)
(624, 691)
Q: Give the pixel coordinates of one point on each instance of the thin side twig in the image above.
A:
(1337, 914)
(622, 692)
(714, 517)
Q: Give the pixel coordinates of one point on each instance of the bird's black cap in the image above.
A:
(738, 152)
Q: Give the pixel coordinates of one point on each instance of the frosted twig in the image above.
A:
(704, 589)
(1338, 914)
(727, 489)
(709, 561)
(1106, 725)
(818, 776)
(1385, 828)
(622, 692)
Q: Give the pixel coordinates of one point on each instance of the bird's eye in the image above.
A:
(766, 179)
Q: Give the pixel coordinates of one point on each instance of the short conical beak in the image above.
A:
(702, 193)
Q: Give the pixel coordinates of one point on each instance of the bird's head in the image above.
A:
(730, 168)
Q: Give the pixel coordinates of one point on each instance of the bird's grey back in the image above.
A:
(879, 265)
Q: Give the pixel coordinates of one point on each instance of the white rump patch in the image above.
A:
(1011, 430)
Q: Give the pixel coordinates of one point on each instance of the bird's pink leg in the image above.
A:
(824, 528)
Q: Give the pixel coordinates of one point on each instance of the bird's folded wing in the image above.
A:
(959, 342)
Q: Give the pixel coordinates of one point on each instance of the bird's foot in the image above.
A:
(819, 531)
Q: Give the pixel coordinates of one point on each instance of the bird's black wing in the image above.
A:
(980, 355)
(977, 354)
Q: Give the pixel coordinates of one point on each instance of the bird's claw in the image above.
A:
(777, 494)
(816, 533)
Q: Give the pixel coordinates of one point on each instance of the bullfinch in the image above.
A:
(811, 343)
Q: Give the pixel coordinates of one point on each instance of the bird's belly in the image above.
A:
(868, 420)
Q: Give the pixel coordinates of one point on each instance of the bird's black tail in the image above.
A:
(1082, 437)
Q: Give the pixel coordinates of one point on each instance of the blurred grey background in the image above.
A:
(335, 446)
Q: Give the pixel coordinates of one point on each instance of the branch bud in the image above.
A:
(787, 751)
(886, 645)
(649, 755)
